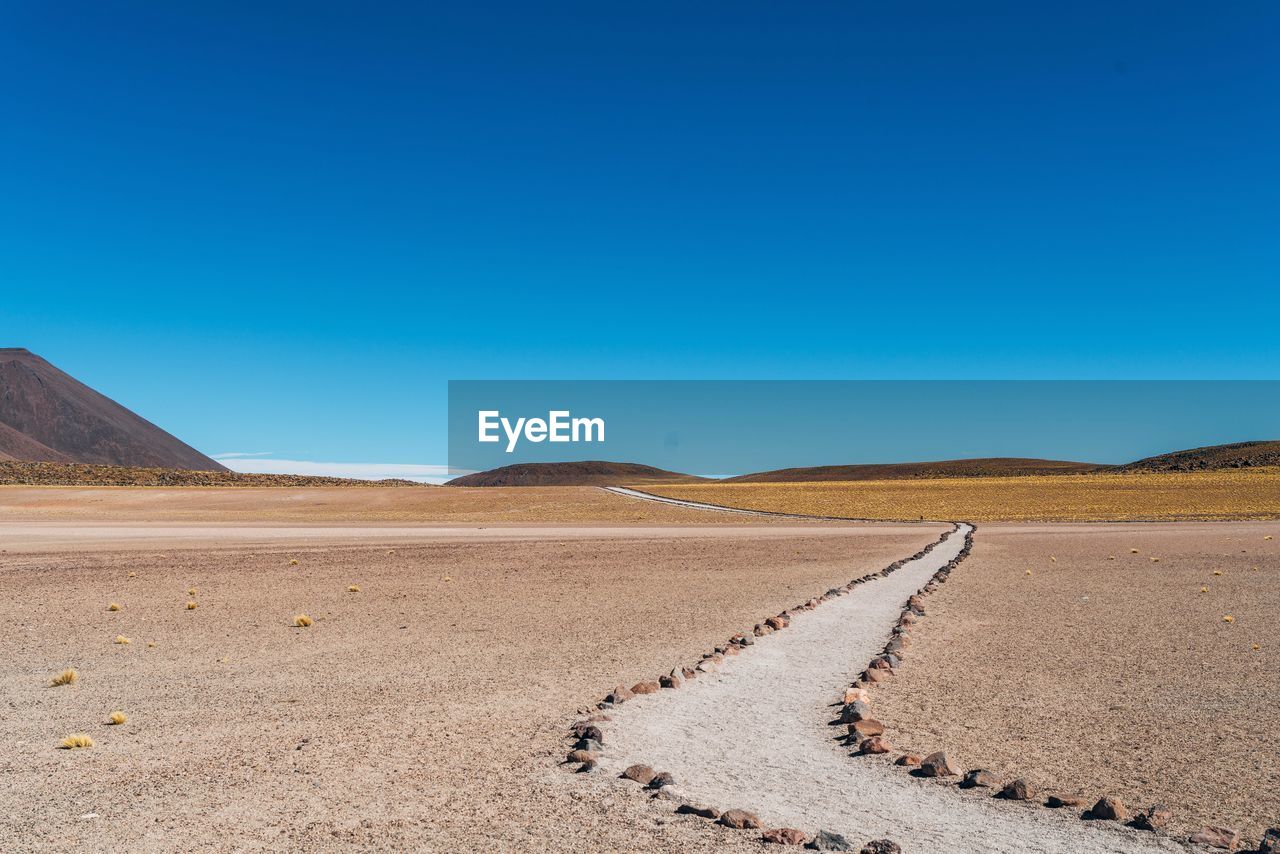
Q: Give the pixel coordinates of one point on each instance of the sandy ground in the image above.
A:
(756, 735)
(424, 712)
(330, 505)
(1229, 494)
(1109, 676)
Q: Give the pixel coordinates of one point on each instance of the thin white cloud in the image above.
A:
(358, 471)
(235, 454)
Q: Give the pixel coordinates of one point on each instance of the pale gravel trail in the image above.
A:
(755, 736)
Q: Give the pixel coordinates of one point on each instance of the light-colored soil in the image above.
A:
(328, 505)
(1095, 676)
(1228, 494)
(756, 735)
(425, 712)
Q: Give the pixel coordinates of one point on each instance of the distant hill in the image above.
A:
(1238, 455)
(988, 467)
(48, 416)
(593, 473)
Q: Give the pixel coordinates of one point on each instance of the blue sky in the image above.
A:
(281, 228)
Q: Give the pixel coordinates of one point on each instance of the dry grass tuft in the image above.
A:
(1228, 619)
(301, 621)
(191, 606)
(151, 644)
(133, 575)
(113, 606)
(73, 742)
(118, 718)
(293, 561)
(121, 639)
(66, 677)
(353, 588)
(191, 591)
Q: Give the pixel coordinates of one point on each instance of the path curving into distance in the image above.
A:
(755, 735)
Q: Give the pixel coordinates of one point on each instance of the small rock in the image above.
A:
(785, 836)
(1270, 841)
(662, 778)
(876, 744)
(855, 711)
(856, 695)
(590, 731)
(706, 666)
(1153, 818)
(1018, 790)
(645, 688)
(580, 756)
(775, 623)
(881, 664)
(827, 840)
(588, 767)
(619, 695)
(881, 846)
(938, 765)
(866, 727)
(907, 760)
(688, 673)
(1060, 801)
(1109, 808)
(588, 744)
(670, 680)
(666, 793)
(1216, 837)
(642, 774)
(740, 820)
(979, 777)
(698, 810)
(875, 677)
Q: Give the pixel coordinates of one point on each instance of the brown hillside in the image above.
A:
(591, 473)
(990, 467)
(1212, 458)
(46, 415)
(80, 474)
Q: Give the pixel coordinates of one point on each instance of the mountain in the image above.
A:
(1237, 455)
(593, 473)
(48, 416)
(989, 467)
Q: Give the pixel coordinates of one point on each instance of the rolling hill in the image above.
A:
(1237, 455)
(988, 467)
(48, 416)
(592, 473)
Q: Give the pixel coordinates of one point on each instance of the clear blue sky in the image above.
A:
(281, 227)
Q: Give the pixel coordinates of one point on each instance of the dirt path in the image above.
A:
(756, 736)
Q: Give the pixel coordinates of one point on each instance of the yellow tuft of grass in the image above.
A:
(447, 578)
(191, 591)
(75, 742)
(353, 588)
(1257, 646)
(293, 561)
(1217, 572)
(1111, 557)
(66, 677)
(133, 575)
(1204, 589)
(1268, 537)
(1133, 551)
(191, 606)
(1028, 572)
(118, 718)
(1155, 560)
(1053, 559)
(113, 606)
(151, 644)
(1228, 619)
(301, 621)
(121, 639)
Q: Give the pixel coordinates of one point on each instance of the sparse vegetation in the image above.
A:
(1252, 493)
(118, 718)
(66, 677)
(76, 742)
(191, 591)
(301, 621)
(191, 606)
(353, 588)
(121, 639)
(113, 606)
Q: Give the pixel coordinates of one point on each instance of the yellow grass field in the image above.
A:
(1235, 494)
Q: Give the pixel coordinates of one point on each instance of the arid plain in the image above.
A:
(427, 707)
